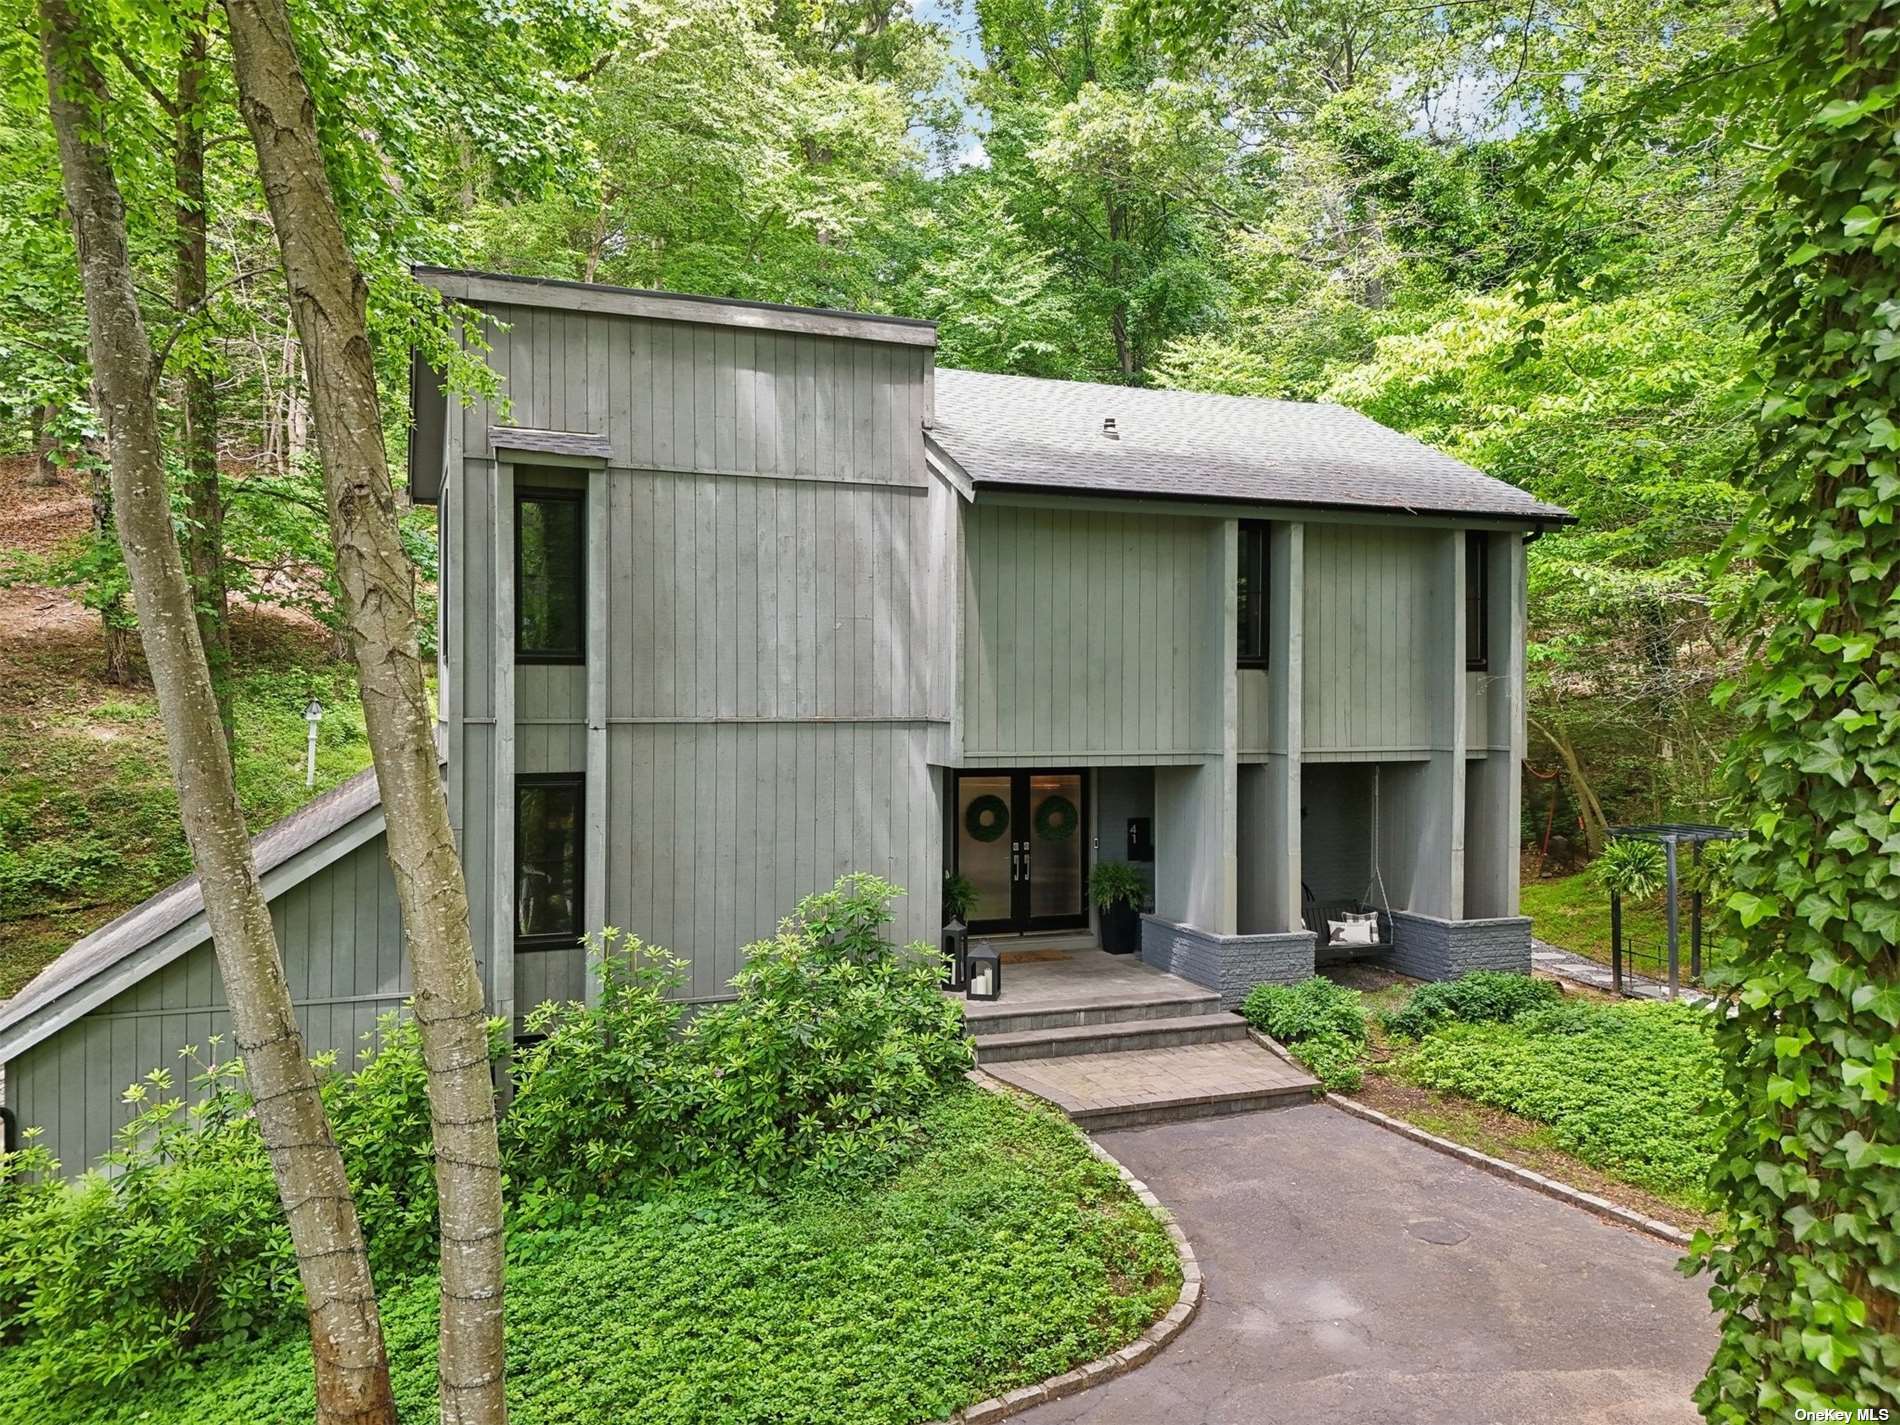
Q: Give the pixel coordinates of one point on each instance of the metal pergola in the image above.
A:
(1671, 835)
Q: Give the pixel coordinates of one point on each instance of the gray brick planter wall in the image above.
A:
(1428, 948)
(1231, 964)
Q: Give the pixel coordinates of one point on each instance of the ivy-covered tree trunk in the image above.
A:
(1807, 1276)
(352, 1370)
(115, 625)
(328, 297)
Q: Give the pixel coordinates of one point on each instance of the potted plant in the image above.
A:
(959, 897)
(1117, 890)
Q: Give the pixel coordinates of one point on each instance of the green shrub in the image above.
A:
(1313, 1009)
(103, 1277)
(836, 1045)
(835, 1042)
(1321, 1023)
(1001, 1252)
(380, 1116)
(1634, 1089)
(1479, 997)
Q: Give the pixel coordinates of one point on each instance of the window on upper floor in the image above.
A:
(548, 860)
(1252, 643)
(550, 577)
(1477, 600)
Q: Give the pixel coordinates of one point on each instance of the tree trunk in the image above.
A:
(114, 627)
(327, 295)
(45, 466)
(1596, 827)
(352, 1370)
(204, 500)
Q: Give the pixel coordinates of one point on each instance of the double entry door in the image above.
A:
(1022, 842)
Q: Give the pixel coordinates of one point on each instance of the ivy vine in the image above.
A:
(1806, 1274)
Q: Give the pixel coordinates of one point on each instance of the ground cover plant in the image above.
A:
(1322, 1024)
(1479, 997)
(999, 1251)
(821, 1067)
(1634, 1089)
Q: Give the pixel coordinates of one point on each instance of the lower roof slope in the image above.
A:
(1029, 433)
(182, 901)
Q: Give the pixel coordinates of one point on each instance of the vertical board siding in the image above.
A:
(678, 396)
(715, 831)
(768, 599)
(1086, 634)
(341, 940)
(1255, 723)
(1369, 638)
(1477, 711)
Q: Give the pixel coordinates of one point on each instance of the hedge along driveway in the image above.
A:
(1001, 1254)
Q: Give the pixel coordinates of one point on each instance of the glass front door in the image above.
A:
(1021, 840)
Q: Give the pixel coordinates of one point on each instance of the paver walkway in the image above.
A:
(1568, 965)
(1356, 1277)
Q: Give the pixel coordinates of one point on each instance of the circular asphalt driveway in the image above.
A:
(1355, 1276)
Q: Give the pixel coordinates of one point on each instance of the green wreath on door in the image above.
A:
(1056, 819)
(986, 818)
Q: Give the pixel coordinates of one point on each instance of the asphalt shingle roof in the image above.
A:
(1026, 432)
(181, 900)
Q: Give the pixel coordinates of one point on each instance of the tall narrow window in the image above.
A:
(1477, 600)
(1252, 649)
(550, 576)
(548, 861)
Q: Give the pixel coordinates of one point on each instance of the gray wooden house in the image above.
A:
(736, 598)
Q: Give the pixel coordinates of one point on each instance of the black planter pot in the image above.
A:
(1121, 929)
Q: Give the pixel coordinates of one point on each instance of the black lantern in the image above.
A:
(956, 944)
(984, 966)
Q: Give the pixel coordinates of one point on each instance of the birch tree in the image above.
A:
(328, 298)
(352, 1370)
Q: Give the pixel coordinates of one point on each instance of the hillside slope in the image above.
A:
(88, 814)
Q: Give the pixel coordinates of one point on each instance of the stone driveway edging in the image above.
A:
(1137, 1351)
(1497, 1167)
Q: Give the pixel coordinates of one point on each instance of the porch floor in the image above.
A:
(1083, 980)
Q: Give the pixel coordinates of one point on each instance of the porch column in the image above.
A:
(1421, 807)
(1196, 806)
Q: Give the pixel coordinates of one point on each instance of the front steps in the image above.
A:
(1113, 1037)
(1128, 1049)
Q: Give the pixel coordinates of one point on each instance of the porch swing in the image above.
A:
(1352, 929)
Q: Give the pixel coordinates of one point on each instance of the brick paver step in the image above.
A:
(1130, 1088)
(1108, 1038)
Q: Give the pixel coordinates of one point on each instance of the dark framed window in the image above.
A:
(548, 860)
(1252, 589)
(550, 576)
(1477, 600)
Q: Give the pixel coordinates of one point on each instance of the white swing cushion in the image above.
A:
(1353, 929)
